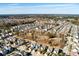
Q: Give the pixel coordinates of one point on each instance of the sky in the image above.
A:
(39, 8)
